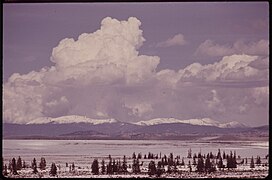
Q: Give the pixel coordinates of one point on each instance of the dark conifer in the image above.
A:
(258, 160)
(103, 167)
(95, 167)
(182, 162)
(194, 161)
(159, 169)
(220, 162)
(200, 165)
(134, 156)
(252, 163)
(151, 168)
(34, 166)
(73, 166)
(19, 163)
(42, 163)
(5, 173)
(218, 154)
(53, 170)
(124, 165)
(190, 166)
(189, 153)
(14, 166)
(136, 166)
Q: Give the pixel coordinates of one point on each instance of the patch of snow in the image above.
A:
(70, 119)
(201, 122)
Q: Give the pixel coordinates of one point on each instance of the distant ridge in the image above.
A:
(83, 119)
(201, 122)
(70, 119)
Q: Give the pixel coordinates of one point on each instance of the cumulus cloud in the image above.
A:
(177, 40)
(232, 68)
(102, 75)
(210, 48)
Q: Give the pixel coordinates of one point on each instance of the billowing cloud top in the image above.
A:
(102, 75)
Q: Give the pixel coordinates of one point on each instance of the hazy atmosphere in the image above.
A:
(134, 62)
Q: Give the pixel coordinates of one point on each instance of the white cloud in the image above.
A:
(177, 40)
(102, 75)
(210, 48)
(232, 68)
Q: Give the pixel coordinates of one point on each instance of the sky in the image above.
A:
(136, 61)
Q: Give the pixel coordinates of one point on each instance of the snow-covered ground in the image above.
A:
(83, 171)
(83, 152)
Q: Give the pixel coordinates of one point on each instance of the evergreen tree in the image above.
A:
(218, 154)
(136, 166)
(169, 169)
(209, 166)
(220, 162)
(189, 153)
(139, 156)
(252, 163)
(34, 166)
(124, 165)
(171, 159)
(246, 161)
(73, 166)
(177, 162)
(149, 155)
(231, 161)
(103, 167)
(224, 155)
(200, 165)
(145, 156)
(189, 166)
(13, 166)
(133, 155)
(159, 169)
(194, 155)
(151, 168)
(109, 167)
(19, 163)
(53, 170)
(95, 167)
(182, 162)
(42, 163)
(194, 161)
(114, 166)
(258, 160)
(5, 173)
(211, 155)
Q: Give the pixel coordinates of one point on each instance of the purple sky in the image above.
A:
(213, 61)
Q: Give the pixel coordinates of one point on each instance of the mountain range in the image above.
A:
(81, 127)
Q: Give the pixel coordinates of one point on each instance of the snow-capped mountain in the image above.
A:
(201, 122)
(71, 119)
(156, 121)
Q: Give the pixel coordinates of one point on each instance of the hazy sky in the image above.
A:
(182, 60)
